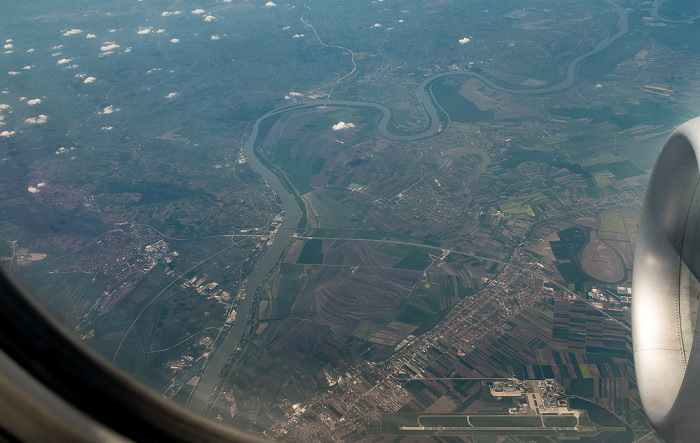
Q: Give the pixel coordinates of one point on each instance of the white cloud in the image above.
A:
(22, 99)
(28, 67)
(89, 80)
(91, 36)
(143, 31)
(167, 13)
(13, 72)
(30, 50)
(4, 106)
(270, 4)
(297, 35)
(107, 128)
(172, 95)
(73, 32)
(160, 31)
(80, 75)
(34, 101)
(8, 40)
(215, 37)
(108, 46)
(56, 54)
(198, 11)
(9, 52)
(40, 185)
(377, 25)
(112, 30)
(464, 41)
(37, 120)
(209, 18)
(32, 189)
(7, 133)
(109, 109)
(228, 1)
(56, 47)
(127, 50)
(342, 125)
(175, 40)
(285, 28)
(8, 46)
(63, 61)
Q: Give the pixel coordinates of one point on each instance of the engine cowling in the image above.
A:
(666, 289)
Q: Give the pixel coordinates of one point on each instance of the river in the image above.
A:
(292, 212)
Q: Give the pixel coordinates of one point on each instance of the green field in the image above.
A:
(297, 169)
(417, 260)
(329, 212)
(427, 289)
(520, 421)
(560, 420)
(523, 205)
(459, 109)
(603, 178)
(292, 278)
(604, 157)
(365, 330)
(463, 127)
(395, 249)
(611, 221)
(419, 309)
(312, 253)
(555, 139)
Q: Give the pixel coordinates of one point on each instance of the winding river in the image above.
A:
(292, 211)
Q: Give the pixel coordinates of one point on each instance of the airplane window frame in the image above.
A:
(75, 374)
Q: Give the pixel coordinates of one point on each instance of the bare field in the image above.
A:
(294, 251)
(631, 218)
(616, 236)
(590, 222)
(625, 251)
(602, 262)
(392, 334)
(545, 249)
(359, 253)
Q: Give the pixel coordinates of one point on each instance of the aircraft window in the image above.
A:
(333, 220)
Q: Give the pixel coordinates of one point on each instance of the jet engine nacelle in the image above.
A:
(666, 289)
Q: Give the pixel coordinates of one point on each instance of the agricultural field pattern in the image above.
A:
(347, 221)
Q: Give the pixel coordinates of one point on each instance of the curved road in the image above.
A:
(292, 211)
